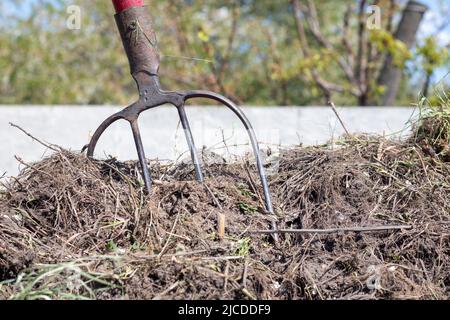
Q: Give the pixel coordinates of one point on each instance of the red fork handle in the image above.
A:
(122, 5)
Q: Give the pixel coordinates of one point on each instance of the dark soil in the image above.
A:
(75, 228)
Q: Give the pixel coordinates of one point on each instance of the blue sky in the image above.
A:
(434, 18)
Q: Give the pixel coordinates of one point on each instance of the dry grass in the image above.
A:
(72, 228)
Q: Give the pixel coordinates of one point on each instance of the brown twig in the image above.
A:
(227, 270)
(221, 225)
(172, 287)
(34, 138)
(216, 201)
(333, 230)
(170, 234)
(32, 167)
(339, 117)
(245, 274)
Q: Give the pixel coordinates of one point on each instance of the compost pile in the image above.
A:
(74, 228)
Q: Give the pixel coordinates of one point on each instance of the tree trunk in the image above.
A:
(426, 86)
(390, 76)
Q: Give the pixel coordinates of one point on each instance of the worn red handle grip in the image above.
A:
(121, 5)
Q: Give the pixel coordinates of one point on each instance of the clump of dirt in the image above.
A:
(368, 181)
(73, 228)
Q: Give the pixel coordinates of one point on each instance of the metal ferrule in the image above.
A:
(139, 40)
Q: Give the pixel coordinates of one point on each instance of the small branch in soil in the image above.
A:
(34, 138)
(339, 117)
(333, 230)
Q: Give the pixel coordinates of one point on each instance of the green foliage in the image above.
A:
(64, 281)
(248, 50)
(433, 56)
(111, 246)
(247, 208)
(431, 127)
(245, 191)
(243, 247)
(385, 42)
(434, 118)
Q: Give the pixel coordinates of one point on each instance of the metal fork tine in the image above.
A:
(190, 142)
(144, 59)
(251, 133)
(255, 146)
(140, 150)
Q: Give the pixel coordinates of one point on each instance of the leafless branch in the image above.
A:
(346, 37)
(314, 25)
(231, 38)
(361, 65)
(311, 18)
(304, 47)
(338, 116)
(34, 138)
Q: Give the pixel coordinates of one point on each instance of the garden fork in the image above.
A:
(140, 43)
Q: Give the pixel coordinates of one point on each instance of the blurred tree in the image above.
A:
(433, 56)
(254, 51)
(359, 51)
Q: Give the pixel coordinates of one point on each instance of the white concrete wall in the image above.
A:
(71, 126)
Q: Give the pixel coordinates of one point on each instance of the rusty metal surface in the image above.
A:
(139, 40)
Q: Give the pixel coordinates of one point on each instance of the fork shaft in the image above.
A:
(141, 154)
